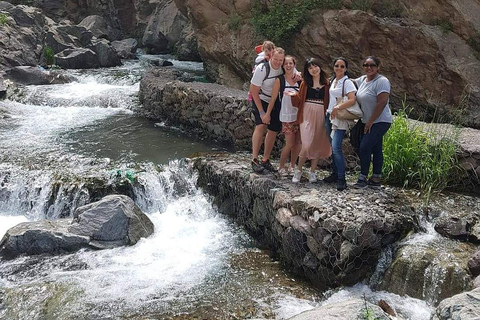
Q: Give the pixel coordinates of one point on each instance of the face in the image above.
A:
(277, 60)
(288, 64)
(370, 67)
(268, 54)
(314, 70)
(339, 68)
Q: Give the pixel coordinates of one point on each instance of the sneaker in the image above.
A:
(341, 184)
(331, 178)
(297, 175)
(374, 184)
(312, 177)
(268, 166)
(361, 184)
(256, 166)
(283, 172)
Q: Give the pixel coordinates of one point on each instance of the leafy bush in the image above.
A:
(363, 5)
(283, 19)
(234, 22)
(421, 158)
(49, 56)
(389, 9)
(3, 19)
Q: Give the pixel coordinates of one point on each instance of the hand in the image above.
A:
(333, 115)
(290, 93)
(265, 118)
(368, 126)
(297, 76)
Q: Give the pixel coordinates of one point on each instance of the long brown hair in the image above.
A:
(308, 77)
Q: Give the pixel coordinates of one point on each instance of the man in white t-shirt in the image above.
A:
(266, 117)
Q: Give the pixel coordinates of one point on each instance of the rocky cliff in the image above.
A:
(429, 48)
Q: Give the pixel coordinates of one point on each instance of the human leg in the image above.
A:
(328, 127)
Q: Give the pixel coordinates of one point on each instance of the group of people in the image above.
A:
(306, 106)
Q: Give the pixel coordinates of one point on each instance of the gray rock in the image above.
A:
(106, 54)
(35, 76)
(114, 219)
(126, 48)
(98, 26)
(347, 310)
(463, 306)
(474, 264)
(79, 58)
(41, 237)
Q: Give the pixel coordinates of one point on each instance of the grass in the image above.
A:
(363, 5)
(49, 56)
(3, 19)
(389, 9)
(419, 157)
(234, 22)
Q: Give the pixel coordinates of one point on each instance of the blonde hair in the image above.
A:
(279, 50)
(268, 45)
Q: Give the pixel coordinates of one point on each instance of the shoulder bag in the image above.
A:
(351, 113)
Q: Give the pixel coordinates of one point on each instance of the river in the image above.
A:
(60, 143)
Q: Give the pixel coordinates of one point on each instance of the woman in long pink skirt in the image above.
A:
(312, 102)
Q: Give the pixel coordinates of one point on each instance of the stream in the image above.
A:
(60, 145)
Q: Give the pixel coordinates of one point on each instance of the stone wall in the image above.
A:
(330, 239)
(223, 114)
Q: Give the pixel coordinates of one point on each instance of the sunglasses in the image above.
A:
(339, 66)
(371, 65)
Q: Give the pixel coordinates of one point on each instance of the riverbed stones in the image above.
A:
(331, 238)
(113, 221)
(463, 306)
(353, 309)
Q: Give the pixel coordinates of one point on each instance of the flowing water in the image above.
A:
(62, 146)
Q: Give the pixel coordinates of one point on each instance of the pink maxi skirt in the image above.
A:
(315, 143)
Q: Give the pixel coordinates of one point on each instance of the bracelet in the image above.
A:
(262, 113)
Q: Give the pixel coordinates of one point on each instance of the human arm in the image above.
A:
(255, 92)
(382, 100)
(276, 88)
(344, 105)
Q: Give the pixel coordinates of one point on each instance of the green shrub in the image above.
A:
(420, 158)
(48, 56)
(234, 22)
(363, 5)
(389, 9)
(3, 19)
(281, 20)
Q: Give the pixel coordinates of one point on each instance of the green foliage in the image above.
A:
(49, 56)
(389, 9)
(363, 5)
(3, 19)
(281, 20)
(234, 22)
(418, 157)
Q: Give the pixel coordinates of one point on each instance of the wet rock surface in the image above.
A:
(331, 238)
(113, 221)
(464, 306)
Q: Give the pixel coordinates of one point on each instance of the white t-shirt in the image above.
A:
(288, 113)
(267, 85)
(336, 91)
(367, 97)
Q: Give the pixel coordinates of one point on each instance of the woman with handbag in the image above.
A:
(342, 100)
(373, 94)
(311, 101)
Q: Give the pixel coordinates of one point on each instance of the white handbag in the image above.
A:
(351, 113)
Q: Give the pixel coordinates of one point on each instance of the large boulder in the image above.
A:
(347, 310)
(35, 76)
(106, 54)
(98, 26)
(114, 220)
(40, 237)
(79, 58)
(474, 264)
(463, 306)
(126, 48)
(431, 270)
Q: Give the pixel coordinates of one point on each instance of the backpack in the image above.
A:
(283, 86)
(266, 65)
